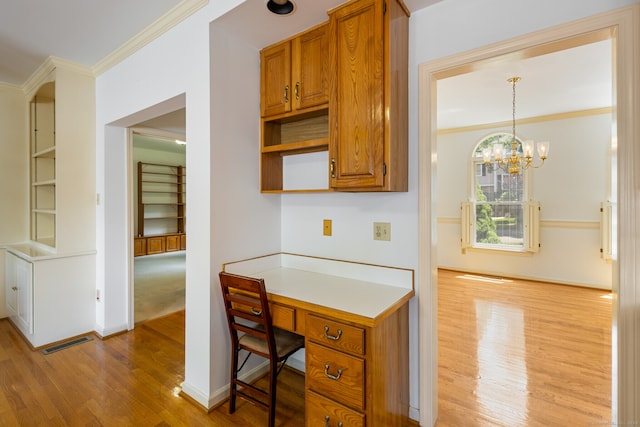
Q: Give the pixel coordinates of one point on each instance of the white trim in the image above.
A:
(625, 23)
(548, 223)
(40, 76)
(173, 17)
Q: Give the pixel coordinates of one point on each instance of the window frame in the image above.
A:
(476, 161)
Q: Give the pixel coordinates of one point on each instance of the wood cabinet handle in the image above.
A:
(332, 337)
(296, 90)
(332, 168)
(256, 312)
(286, 94)
(331, 376)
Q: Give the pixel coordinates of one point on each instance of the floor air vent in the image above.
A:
(64, 345)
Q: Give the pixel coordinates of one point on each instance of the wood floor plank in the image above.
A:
(132, 379)
(522, 353)
(513, 354)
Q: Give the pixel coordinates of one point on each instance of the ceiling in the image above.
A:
(32, 30)
(80, 31)
(568, 80)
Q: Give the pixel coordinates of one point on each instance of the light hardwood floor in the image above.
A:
(521, 353)
(132, 379)
(511, 354)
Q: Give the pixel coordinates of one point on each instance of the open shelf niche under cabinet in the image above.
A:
(161, 209)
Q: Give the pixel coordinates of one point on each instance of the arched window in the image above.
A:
(499, 214)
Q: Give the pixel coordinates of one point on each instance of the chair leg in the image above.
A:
(232, 383)
(273, 375)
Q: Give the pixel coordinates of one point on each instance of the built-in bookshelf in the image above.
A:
(161, 208)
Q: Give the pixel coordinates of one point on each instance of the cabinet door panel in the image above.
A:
(24, 275)
(11, 286)
(173, 243)
(275, 75)
(155, 245)
(310, 68)
(19, 291)
(357, 140)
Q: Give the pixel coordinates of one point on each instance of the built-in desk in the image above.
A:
(355, 318)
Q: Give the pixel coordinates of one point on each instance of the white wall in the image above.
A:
(14, 173)
(244, 223)
(570, 187)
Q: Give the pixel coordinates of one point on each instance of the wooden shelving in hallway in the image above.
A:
(521, 353)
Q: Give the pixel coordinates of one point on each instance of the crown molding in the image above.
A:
(537, 119)
(173, 17)
(41, 74)
(8, 86)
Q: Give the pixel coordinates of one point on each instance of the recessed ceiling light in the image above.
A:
(280, 7)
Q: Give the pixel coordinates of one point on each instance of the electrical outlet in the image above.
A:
(382, 231)
(326, 227)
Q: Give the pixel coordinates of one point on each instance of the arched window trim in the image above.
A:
(529, 210)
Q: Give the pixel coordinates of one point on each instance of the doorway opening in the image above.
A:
(576, 116)
(429, 74)
(158, 186)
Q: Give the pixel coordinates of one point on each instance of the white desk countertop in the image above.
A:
(359, 297)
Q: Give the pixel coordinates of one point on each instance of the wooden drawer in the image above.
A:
(335, 334)
(335, 375)
(322, 412)
(283, 317)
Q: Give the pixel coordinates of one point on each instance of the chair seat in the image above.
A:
(286, 342)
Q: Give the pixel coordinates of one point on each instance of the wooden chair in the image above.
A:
(249, 319)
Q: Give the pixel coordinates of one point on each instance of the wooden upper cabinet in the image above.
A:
(275, 79)
(294, 73)
(368, 126)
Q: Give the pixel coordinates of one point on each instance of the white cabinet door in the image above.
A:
(20, 285)
(11, 286)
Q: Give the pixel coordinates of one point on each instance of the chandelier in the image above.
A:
(516, 160)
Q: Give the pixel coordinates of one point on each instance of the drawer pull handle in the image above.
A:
(326, 421)
(256, 312)
(331, 376)
(332, 337)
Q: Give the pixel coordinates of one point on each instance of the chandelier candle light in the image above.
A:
(515, 161)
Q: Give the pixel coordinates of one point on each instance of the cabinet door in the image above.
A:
(310, 67)
(173, 243)
(155, 245)
(139, 246)
(275, 78)
(356, 146)
(19, 273)
(11, 286)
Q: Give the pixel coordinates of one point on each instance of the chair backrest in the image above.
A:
(247, 308)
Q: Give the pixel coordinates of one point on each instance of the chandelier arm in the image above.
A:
(514, 163)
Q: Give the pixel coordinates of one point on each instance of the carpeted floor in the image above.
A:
(159, 282)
